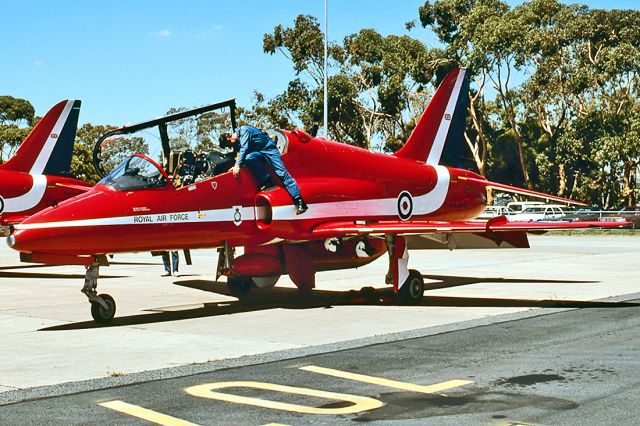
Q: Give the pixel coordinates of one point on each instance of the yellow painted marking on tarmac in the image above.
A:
(360, 403)
(145, 414)
(438, 387)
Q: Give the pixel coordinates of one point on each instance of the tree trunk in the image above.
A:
(562, 179)
(523, 164)
(479, 148)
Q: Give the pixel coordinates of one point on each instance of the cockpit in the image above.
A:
(135, 172)
(181, 147)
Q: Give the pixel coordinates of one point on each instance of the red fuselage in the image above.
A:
(338, 181)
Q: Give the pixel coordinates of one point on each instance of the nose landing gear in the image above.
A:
(103, 306)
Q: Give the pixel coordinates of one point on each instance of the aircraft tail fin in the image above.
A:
(49, 146)
(443, 121)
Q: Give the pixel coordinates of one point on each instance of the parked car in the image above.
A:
(539, 213)
(585, 213)
(495, 211)
(520, 206)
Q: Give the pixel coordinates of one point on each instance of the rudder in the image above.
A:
(443, 119)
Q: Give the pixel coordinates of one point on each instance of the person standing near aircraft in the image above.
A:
(168, 264)
(255, 147)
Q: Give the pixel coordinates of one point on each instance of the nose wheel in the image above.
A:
(104, 312)
(103, 307)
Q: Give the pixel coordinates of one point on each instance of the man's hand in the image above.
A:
(236, 170)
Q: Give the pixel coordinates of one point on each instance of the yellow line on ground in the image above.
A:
(360, 403)
(438, 387)
(145, 414)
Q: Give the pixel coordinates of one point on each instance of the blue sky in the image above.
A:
(132, 60)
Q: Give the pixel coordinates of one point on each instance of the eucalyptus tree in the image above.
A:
(378, 87)
(17, 118)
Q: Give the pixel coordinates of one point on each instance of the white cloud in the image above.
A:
(209, 32)
(161, 34)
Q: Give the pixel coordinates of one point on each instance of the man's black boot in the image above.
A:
(301, 207)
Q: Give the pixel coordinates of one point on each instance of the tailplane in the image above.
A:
(443, 121)
(49, 146)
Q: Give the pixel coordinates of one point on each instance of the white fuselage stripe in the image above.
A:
(422, 204)
(443, 129)
(50, 143)
(30, 199)
(219, 215)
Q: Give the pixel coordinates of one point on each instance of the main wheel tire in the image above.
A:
(100, 314)
(239, 285)
(412, 290)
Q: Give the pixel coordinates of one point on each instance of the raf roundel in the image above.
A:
(405, 205)
(237, 215)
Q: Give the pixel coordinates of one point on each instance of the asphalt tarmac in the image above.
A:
(574, 367)
(189, 325)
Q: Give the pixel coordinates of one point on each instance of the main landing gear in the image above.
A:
(407, 283)
(103, 307)
(239, 285)
(412, 289)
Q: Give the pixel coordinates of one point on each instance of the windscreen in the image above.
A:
(134, 173)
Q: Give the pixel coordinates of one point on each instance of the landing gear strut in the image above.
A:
(103, 307)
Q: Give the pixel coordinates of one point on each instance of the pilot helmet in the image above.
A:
(188, 157)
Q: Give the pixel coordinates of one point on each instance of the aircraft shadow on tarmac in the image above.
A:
(5, 272)
(291, 298)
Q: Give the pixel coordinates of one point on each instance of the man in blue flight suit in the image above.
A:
(256, 147)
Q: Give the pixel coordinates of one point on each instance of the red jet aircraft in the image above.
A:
(362, 205)
(37, 176)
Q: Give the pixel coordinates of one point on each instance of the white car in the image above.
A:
(519, 206)
(539, 214)
(495, 211)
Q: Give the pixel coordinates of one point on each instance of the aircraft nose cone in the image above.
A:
(24, 240)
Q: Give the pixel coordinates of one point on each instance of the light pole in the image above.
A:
(326, 92)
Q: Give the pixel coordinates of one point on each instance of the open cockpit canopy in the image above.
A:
(184, 143)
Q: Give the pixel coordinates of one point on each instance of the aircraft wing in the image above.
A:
(495, 225)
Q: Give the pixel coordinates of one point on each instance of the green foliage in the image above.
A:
(16, 111)
(579, 71)
(82, 162)
(376, 83)
(17, 118)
